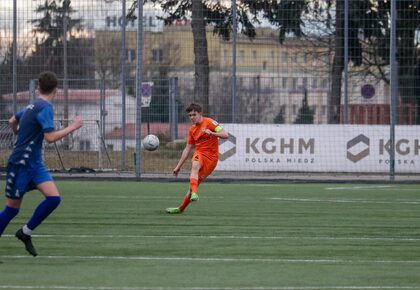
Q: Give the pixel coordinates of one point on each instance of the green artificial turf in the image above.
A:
(116, 235)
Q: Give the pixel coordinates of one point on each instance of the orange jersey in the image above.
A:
(205, 144)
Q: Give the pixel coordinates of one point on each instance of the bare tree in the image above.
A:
(107, 57)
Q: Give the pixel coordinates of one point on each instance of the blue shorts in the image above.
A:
(23, 178)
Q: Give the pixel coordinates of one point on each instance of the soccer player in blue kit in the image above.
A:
(25, 169)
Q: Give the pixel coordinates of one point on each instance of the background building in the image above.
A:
(272, 78)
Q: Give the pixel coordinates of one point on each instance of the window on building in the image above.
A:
(294, 83)
(314, 83)
(324, 110)
(242, 56)
(284, 83)
(294, 58)
(324, 83)
(131, 55)
(305, 82)
(284, 57)
(305, 58)
(84, 145)
(264, 65)
(314, 59)
(273, 56)
(157, 55)
(225, 55)
(254, 54)
(255, 81)
(294, 109)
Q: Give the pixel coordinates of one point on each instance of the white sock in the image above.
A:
(26, 230)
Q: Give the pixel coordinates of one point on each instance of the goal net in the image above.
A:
(82, 151)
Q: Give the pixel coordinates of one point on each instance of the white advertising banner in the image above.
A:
(318, 148)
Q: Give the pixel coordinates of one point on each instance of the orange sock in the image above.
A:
(193, 184)
(185, 202)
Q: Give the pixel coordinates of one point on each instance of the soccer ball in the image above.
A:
(150, 142)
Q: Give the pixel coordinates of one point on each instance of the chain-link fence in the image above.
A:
(301, 86)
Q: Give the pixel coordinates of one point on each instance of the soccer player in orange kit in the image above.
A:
(204, 133)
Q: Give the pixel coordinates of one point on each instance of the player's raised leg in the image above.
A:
(195, 168)
(191, 193)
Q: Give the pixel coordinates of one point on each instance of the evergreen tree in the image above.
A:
(305, 114)
(279, 118)
(50, 28)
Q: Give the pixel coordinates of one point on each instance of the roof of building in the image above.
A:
(147, 128)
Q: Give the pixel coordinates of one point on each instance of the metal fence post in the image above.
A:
(32, 88)
(139, 79)
(234, 37)
(346, 62)
(173, 110)
(123, 83)
(14, 48)
(258, 98)
(101, 124)
(66, 5)
(394, 89)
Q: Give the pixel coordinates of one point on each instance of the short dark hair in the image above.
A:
(194, 107)
(47, 82)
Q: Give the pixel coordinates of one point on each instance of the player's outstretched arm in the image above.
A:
(13, 124)
(53, 136)
(184, 157)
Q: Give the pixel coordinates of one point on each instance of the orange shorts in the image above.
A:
(207, 165)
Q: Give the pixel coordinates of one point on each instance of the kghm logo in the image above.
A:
(230, 152)
(354, 142)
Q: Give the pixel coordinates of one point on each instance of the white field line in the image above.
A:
(211, 259)
(223, 237)
(373, 201)
(357, 187)
(136, 197)
(116, 196)
(351, 187)
(368, 187)
(58, 287)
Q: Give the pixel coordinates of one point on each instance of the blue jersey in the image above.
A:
(35, 120)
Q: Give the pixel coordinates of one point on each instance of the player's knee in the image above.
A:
(14, 203)
(196, 166)
(54, 201)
